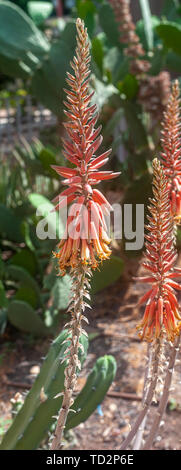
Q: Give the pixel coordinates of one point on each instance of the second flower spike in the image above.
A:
(162, 309)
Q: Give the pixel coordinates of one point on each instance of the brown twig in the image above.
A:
(117, 336)
(124, 395)
(10, 383)
(164, 398)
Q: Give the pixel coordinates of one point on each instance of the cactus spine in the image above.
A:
(94, 391)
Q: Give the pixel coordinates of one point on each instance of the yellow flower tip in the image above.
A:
(106, 249)
(85, 252)
(79, 22)
(177, 219)
(81, 251)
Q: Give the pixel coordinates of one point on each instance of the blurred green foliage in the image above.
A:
(39, 11)
(24, 258)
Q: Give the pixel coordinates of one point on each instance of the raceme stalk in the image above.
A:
(154, 90)
(171, 150)
(128, 36)
(86, 242)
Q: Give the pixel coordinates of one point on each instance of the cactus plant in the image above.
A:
(24, 317)
(23, 37)
(48, 79)
(39, 11)
(92, 394)
(41, 405)
(25, 52)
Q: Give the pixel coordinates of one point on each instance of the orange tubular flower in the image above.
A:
(162, 310)
(171, 155)
(87, 241)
